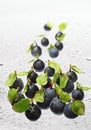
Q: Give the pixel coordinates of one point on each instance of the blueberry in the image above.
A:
(57, 106)
(50, 71)
(72, 75)
(45, 41)
(39, 65)
(50, 92)
(18, 84)
(59, 45)
(46, 27)
(31, 90)
(58, 35)
(36, 50)
(68, 111)
(32, 76)
(78, 94)
(33, 113)
(53, 53)
(49, 95)
(69, 86)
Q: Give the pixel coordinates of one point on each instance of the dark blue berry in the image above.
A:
(78, 94)
(57, 106)
(38, 65)
(36, 50)
(45, 41)
(68, 111)
(33, 113)
(54, 52)
(50, 71)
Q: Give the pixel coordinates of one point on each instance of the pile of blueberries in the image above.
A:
(51, 98)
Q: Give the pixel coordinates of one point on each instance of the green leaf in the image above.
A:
(23, 73)
(39, 96)
(41, 35)
(76, 69)
(57, 88)
(30, 48)
(55, 77)
(82, 87)
(12, 95)
(50, 47)
(85, 88)
(22, 105)
(11, 79)
(63, 80)
(50, 25)
(65, 97)
(42, 79)
(62, 26)
(25, 88)
(61, 38)
(78, 107)
(32, 60)
(55, 66)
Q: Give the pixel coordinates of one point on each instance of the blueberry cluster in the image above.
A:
(51, 89)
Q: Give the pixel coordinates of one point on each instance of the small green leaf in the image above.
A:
(85, 88)
(50, 25)
(12, 95)
(22, 105)
(11, 79)
(32, 60)
(61, 38)
(57, 88)
(39, 96)
(50, 47)
(82, 87)
(42, 79)
(65, 97)
(62, 26)
(55, 77)
(23, 73)
(25, 88)
(78, 107)
(30, 48)
(76, 69)
(55, 66)
(41, 35)
(63, 80)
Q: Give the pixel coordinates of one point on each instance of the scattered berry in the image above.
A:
(50, 71)
(33, 113)
(46, 27)
(39, 65)
(78, 94)
(57, 106)
(68, 111)
(59, 45)
(72, 75)
(53, 53)
(31, 90)
(69, 86)
(32, 76)
(45, 41)
(58, 35)
(36, 50)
